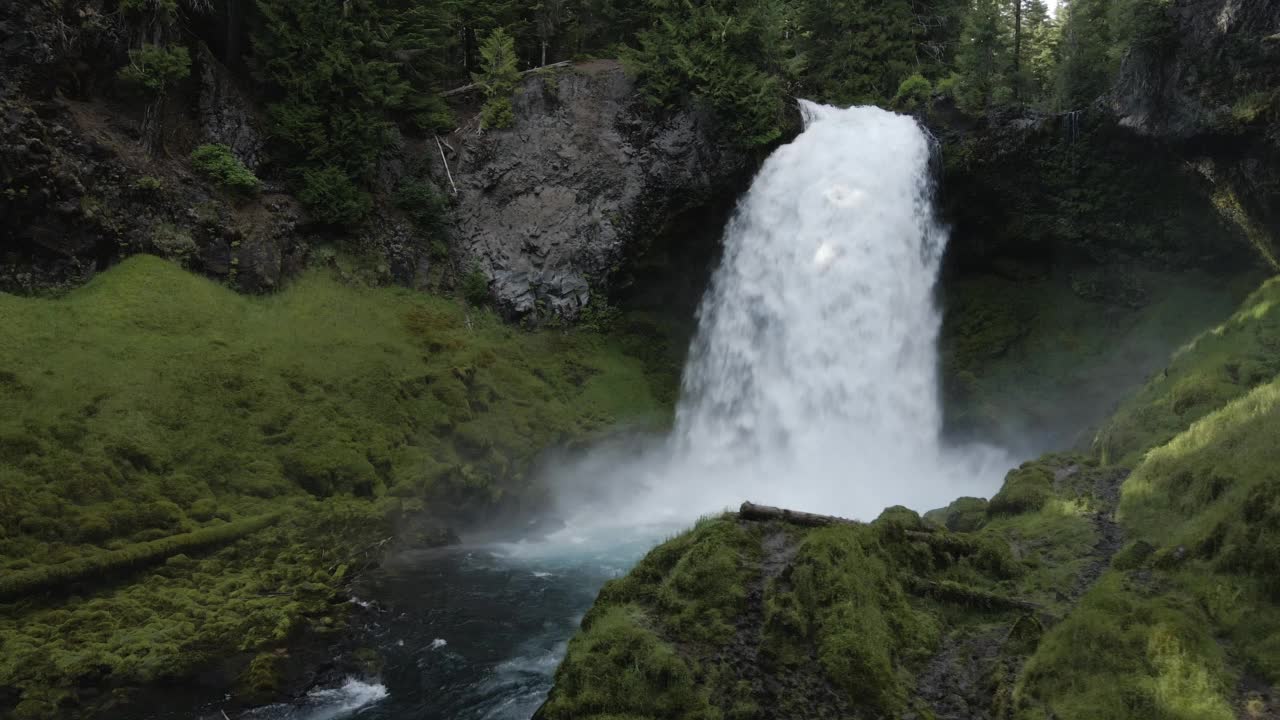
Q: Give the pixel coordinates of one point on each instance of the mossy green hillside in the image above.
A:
(738, 619)
(147, 410)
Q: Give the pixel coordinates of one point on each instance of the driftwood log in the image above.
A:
(751, 511)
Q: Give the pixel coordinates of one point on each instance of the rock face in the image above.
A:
(1213, 83)
(587, 183)
(227, 116)
(550, 208)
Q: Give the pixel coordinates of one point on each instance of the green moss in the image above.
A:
(845, 601)
(695, 582)
(154, 415)
(965, 514)
(1026, 489)
(1128, 652)
(618, 667)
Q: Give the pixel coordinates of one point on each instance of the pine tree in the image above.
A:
(983, 58)
(498, 78)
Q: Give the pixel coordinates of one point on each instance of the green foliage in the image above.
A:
(420, 200)
(857, 51)
(217, 163)
(333, 71)
(147, 185)
(1089, 59)
(966, 514)
(732, 57)
(154, 415)
(154, 69)
(168, 8)
(333, 198)
(498, 77)
(475, 288)
(914, 94)
(982, 59)
(845, 599)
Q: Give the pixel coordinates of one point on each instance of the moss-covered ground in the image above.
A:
(186, 473)
(1135, 582)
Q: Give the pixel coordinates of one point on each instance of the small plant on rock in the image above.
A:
(154, 69)
(217, 163)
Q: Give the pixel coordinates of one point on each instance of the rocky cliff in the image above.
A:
(586, 182)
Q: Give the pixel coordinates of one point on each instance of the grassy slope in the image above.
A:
(152, 407)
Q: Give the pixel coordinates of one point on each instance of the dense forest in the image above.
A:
(342, 79)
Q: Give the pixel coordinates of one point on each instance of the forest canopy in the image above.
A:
(343, 79)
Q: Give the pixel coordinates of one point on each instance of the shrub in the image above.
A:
(217, 163)
(154, 69)
(913, 94)
(475, 287)
(147, 185)
(333, 198)
(422, 203)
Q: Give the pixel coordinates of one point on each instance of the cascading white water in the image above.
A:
(819, 330)
(812, 382)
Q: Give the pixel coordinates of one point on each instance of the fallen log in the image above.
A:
(476, 86)
(751, 511)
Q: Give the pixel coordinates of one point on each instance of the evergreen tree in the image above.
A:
(1039, 52)
(1087, 62)
(983, 57)
(858, 50)
(498, 78)
(733, 56)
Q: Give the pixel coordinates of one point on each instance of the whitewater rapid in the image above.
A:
(812, 381)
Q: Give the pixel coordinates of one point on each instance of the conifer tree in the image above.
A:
(983, 57)
(498, 76)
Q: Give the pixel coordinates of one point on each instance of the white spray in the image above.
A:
(812, 382)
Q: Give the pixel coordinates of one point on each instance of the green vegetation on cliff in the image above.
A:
(152, 417)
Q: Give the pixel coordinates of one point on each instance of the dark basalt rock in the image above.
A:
(585, 179)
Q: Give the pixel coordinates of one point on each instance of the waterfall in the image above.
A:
(812, 381)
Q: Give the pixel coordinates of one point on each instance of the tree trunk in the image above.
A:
(1017, 48)
(751, 511)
